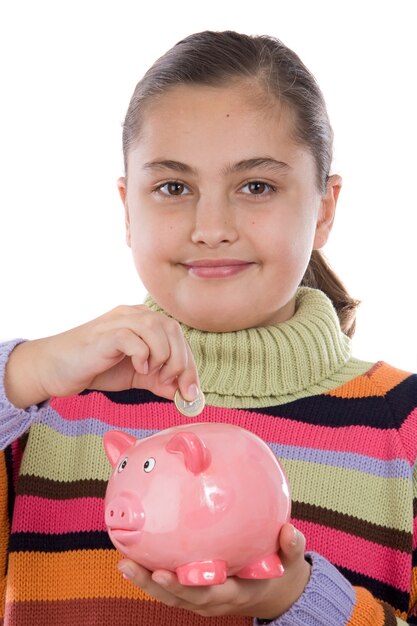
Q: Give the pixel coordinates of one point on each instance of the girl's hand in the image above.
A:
(266, 599)
(128, 347)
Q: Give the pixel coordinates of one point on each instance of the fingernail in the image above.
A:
(192, 393)
(295, 537)
(126, 570)
(161, 579)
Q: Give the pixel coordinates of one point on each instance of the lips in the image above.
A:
(124, 537)
(216, 268)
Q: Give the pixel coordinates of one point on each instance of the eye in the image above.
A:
(149, 465)
(173, 188)
(122, 465)
(258, 188)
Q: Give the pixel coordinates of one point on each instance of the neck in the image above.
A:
(274, 364)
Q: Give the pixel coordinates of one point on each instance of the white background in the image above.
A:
(67, 73)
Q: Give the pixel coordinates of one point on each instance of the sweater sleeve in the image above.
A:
(330, 600)
(13, 421)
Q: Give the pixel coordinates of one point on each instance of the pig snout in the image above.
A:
(125, 512)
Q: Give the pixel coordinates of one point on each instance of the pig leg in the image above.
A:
(268, 567)
(202, 573)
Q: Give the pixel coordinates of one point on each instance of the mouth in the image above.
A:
(216, 268)
(124, 537)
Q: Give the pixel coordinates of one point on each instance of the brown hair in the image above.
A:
(218, 58)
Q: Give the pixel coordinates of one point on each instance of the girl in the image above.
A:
(228, 199)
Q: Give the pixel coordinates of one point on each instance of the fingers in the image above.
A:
(157, 348)
(163, 585)
(170, 358)
(143, 579)
(128, 343)
(292, 544)
(150, 339)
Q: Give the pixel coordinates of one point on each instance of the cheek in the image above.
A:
(286, 244)
(143, 245)
(153, 245)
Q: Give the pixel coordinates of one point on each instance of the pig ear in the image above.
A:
(196, 456)
(115, 443)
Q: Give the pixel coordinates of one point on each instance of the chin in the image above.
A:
(215, 321)
(218, 327)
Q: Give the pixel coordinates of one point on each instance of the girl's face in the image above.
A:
(222, 209)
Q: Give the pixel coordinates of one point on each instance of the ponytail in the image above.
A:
(319, 275)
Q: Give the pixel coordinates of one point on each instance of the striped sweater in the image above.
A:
(345, 432)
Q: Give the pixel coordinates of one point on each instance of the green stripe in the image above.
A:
(51, 455)
(351, 492)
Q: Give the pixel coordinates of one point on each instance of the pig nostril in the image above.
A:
(111, 513)
(123, 514)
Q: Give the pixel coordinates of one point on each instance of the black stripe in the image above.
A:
(8, 459)
(40, 542)
(403, 397)
(128, 396)
(394, 597)
(336, 412)
(324, 410)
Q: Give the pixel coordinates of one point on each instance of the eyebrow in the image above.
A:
(267, 163)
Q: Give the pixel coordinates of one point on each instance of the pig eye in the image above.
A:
(122, 465)
(149, 464)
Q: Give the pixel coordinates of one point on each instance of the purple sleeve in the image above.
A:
(13, 421)
(327, 600)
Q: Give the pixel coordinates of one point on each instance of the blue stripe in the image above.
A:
(396, 468)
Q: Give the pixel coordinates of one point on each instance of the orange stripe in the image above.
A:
(367, 610)
(377, 382)
(413, 590)
(67, 576)
(388, 377)
(4, 531)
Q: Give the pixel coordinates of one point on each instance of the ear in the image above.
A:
(327, 211)
(115, 443)
(122, 187)
(196, 456)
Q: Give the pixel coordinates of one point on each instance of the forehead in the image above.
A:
(216, 113)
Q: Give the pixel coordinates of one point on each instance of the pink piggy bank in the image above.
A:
(205, 501)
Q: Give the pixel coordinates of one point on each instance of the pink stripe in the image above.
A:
(408, 434)
(39, 515)
(390, 566)
(372, 442)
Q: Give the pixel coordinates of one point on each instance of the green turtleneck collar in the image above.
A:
(306, 355)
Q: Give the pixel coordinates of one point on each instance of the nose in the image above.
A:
(215, 223)
(125, 512)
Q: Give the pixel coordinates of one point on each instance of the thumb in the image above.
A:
(188, 380)
(292, 544)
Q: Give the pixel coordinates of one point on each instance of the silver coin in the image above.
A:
(189, 409)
